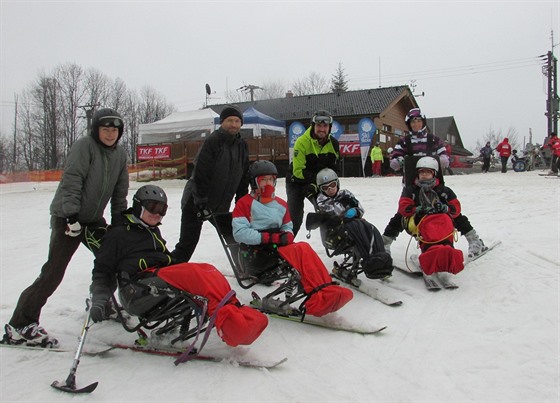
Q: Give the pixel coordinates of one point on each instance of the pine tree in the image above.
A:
(338, 81)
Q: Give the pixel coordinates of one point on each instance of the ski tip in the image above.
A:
(63, 387)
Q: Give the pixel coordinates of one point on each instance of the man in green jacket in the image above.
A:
(95, 172)
(376, 156)
(313, 150)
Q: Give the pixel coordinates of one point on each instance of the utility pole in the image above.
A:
(88, 109)
(251, 89)
(552, 101)
(552, 104)
(15, 134)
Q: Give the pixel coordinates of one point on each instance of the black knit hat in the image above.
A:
(231, 110)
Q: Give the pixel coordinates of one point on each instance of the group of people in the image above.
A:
(132, 250)
(505, 152)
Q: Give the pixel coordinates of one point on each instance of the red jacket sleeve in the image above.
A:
(407, 207)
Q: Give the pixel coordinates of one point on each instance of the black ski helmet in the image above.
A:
(106, 117)
(148, 196)
(322, 116)
(260, 168)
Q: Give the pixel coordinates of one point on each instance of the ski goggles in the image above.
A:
(110, 121)
(327, 186)
(414, 113)
(155, 207)
(322, 119)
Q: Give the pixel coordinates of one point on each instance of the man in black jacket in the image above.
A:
(219, 174)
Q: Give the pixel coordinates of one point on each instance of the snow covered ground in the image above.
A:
(496, 338)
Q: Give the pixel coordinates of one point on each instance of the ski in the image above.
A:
(431, 283)
(374, 291)
(371, 290)
(314, 321)
(491, 247)
(72, 388)
(176, 352)
(55, 349)
(444, 279)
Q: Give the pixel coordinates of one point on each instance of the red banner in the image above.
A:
(349, 148)
(153, 152)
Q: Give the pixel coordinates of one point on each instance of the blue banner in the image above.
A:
(336, 130)
(366, 130)
(296, 129)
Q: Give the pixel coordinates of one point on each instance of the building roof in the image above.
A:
(368, 102)
(443, 126)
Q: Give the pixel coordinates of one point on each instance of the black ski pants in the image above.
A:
(61, 249)
(191, 226)
(296, 198)
(504, 161)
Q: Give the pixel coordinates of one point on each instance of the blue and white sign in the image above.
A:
(296, 129)
(336, 130)
(366, 130)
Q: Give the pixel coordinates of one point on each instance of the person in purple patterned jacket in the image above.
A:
(419, 142)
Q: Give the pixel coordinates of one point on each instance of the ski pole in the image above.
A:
(70, 384)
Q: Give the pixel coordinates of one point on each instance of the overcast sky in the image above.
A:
(474, 60)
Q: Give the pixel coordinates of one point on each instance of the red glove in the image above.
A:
(279, 238)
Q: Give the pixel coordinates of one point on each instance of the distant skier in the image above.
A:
(504, 150)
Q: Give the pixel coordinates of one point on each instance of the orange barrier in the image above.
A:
(142, 171)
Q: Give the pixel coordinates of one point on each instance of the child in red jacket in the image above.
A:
(429, 208)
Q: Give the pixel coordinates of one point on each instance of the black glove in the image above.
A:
(421, 211)
(204, 213)
(441, 208)
(98, 311)
(310, 191)
(117, 220)
(73, 227)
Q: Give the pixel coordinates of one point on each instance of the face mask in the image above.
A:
(267, 191)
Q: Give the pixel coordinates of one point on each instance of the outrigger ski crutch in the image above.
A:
(244, 282)
(70, 384)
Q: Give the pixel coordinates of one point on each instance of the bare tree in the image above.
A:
(5, 154)
(72, 92)
(312, 84)
(50, 114)
(273, 89)
(28, 133)
(97, 87)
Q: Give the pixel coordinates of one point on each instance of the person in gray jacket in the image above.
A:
(95, 172)
(219, 174)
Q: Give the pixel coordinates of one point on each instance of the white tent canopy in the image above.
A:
(179, 126)
(257, 124)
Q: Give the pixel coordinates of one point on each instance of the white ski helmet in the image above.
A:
(428, 163)
(326, 175)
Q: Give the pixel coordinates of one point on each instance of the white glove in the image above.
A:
(73, 229)
(444, 161)
(396, 163)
